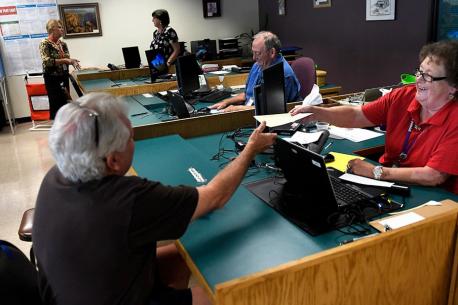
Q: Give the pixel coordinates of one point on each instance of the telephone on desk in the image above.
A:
(112, 67)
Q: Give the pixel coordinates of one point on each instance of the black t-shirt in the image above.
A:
(163, 41)
(96, 242)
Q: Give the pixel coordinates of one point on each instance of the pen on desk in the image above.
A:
(141, 113)
(347, 241)
(327, 146)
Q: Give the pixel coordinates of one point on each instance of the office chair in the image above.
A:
(25, 230)
(304, 68)
(18, 277)
(75, 85)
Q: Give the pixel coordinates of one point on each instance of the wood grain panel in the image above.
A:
(198, 126)
(411, 265)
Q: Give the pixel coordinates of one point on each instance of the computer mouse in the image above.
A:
(329, 158)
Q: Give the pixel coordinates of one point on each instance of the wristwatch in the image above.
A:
(378, 172)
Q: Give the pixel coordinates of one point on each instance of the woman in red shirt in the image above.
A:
(422, 123)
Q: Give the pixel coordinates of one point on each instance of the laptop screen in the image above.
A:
(131, 57)
(307, 178)
(156, 63)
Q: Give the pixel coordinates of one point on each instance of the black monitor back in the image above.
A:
(131, 57)
(271, 98)
(188, 72)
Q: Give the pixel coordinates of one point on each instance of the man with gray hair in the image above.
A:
(95, 230)
(266, 52)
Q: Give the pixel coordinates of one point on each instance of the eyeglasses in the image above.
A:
(95, 115)
(427, 77)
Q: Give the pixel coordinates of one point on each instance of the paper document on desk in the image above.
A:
(219, 72)
(365, 180)
(401, 220)
(304, 137)
(341, 160)
(273, 120)
(228, 67)
(354, 134)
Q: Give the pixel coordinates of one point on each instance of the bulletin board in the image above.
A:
(22, 28)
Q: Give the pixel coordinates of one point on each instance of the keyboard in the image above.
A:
(215, 96)
(345, 194)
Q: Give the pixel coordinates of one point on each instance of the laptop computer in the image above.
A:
(181, 108)
(157, 66)
(313, 197)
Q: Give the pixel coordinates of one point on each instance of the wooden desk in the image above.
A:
(246, 253)
(140, 87)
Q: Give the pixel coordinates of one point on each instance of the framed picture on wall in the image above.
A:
(212, 8)
(445, 20)
(281, 7)
(80, 20)
(321, 3)
(380, 9)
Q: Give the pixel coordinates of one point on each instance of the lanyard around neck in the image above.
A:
(406, 146)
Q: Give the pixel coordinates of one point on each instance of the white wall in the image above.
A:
(129, 23)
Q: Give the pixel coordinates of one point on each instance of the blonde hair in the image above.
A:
(51, 24)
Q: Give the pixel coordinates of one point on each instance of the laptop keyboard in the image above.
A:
(345, 194)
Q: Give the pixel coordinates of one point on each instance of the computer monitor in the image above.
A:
(131, 57)
(188, 71)
(156, 63)
(270, 98)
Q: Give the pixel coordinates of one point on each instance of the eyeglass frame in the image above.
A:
(96, 122)
(95, 115)
(419, 72)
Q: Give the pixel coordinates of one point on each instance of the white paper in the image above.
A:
(147, 95)
(365, 180)
(237, 87)
(304, 137)
(229, 67)
(273, 120)
(354, 134)
(314, 97)
(433, 203)
(219, 72)
(401, 220)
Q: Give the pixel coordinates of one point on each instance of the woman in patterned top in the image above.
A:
(56, 59)
(165, 39)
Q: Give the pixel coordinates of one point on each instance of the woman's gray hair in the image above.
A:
(270, 40)
(85, 132)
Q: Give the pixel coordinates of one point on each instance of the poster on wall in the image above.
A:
(22, 27)
(380, 10)
(447, 20)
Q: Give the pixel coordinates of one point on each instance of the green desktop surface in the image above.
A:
(97, 84)
(246, 236)
(147, 109)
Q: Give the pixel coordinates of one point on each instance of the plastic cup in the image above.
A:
(322, 125)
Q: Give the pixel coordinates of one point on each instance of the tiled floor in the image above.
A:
(24, 160)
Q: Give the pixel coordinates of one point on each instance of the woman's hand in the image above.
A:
(74, 62)
(300, 109)
(361, 168)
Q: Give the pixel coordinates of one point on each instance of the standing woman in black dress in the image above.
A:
(56, 59)
(165, 39)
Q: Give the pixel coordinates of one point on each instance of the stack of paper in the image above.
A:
(354, 134)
